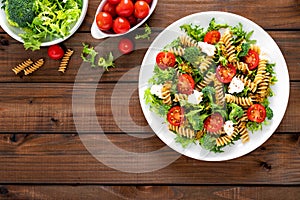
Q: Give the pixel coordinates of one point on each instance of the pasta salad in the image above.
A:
(212, 85)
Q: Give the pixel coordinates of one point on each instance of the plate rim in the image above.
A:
(242, 20)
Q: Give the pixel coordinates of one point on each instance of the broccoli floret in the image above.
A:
(19, 13)
(193, 55)
(209, 92)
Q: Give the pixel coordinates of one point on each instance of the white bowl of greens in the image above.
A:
(49, 22)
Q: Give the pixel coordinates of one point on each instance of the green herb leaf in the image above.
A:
(146, 34)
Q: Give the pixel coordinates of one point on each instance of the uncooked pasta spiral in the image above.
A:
(187, 41)
(228, 49)
(247, 83)
(166, 93)
(206, 64)
(65, 60)
(219, 87)
(179, 97)
(177, 51)
(35, 66)
(208, 78)
(261, 70)
(183, 131)
(22, 66)
(242, 101)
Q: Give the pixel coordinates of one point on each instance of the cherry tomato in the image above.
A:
(125, 46)
(104, 21)
(185, 84)
(114, 1)
(141, 9)
(252, 59)
(110, 8)
(148, 1)
(214, 122)
(225, 73)
(212, 37)
(132, 20)
(121, 25)
(165, 59)
(256, 113)
(55, 52)
(125, 8)
(175, 116)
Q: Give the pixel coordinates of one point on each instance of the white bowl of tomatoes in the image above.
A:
(118, 17)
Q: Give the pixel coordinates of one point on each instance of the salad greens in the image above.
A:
(218, 116)
(47, 19)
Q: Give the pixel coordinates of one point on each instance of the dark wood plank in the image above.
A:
(14, 54)
(63, 159)
(47, 107)
(265, 13)
(21, 192)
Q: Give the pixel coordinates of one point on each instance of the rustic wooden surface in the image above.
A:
(42, 156)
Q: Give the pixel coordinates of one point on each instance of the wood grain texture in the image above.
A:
(21, 192)
(47, 107)
(58, 158)
(288, 42)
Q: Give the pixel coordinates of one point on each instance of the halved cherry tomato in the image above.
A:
(175, 116)
(104, 21)
(110, 8)
(252, 59)
(212, 37)
(214, 122)
(165, 59)
(114, 1)
(125, 8)
(256, 113)
(121, 25)
(185, 84)
(141, 9)
(55, 52)
(125, 46)
(225, 73)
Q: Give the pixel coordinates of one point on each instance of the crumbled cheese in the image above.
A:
(207, 48)
(157, 90)
(264, 56)
(65, 1)
(228, 127)
(236, 86)
(196, 97)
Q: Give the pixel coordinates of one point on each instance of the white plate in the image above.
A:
(98, 34)
(278, 102)
(15, 31)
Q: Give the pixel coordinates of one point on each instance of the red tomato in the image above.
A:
(110, 8)
(114, 1)
(252, 59)
(256, 113)
(125, 46)
(175, 115)
(148, 1)
(214, 122)
(55, 52)
(165, 59)
(141, 9)
(132, 20)
(121, 25)
(104, 21)
(185, 84)
(212, 37)
(125, 8)
(225, 73)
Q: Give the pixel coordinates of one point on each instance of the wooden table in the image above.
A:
(42, 156)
